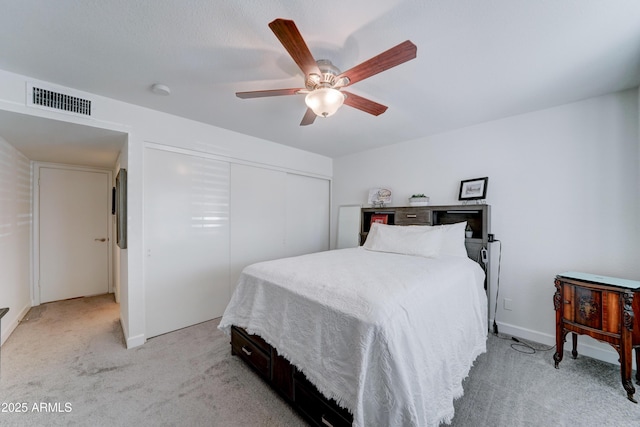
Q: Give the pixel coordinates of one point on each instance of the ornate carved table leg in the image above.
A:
(560, 334)
(574, 350)
(638, 365)
(626, 344)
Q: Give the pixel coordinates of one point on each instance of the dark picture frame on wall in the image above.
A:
(473, 189)
(113, 200)
(121, 208)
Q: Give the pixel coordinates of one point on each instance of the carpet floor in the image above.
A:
(66, 364)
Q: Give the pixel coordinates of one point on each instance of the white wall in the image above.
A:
(563, 185)
(15, 236)
(144, 125)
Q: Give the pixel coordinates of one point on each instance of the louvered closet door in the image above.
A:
(186, 225)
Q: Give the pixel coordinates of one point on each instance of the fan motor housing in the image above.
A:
(328, 78)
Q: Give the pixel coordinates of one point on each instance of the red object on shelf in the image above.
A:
(380, 218)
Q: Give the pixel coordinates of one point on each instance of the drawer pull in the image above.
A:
(325, 422)
(567, 301)
(246, 351)
(412, 216)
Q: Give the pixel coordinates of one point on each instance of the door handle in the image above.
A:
(100, 240)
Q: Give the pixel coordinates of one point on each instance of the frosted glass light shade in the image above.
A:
(324, 101)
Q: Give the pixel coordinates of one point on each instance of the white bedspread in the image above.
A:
(390, 337)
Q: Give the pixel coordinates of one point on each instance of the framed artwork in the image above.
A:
(473, 189)
(121, 208)
(379, 196)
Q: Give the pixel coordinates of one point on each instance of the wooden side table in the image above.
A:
(605, 308)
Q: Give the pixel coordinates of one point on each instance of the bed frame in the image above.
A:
(290, 383)
(285, 378)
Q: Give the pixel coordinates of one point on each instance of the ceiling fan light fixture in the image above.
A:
(324, 101)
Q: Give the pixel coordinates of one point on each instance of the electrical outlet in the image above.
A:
(507, 304)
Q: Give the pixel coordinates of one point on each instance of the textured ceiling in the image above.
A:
(477, 60)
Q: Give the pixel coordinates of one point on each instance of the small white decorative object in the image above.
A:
(378, 197)
(468, 233)
(418, 200)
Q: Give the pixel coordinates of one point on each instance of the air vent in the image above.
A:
(55, 100)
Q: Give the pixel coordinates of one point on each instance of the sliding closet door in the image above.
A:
(275, 214)
(307, 215)
(186, 225)
(258, 198)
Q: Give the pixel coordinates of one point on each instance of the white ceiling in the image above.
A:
(477, 60)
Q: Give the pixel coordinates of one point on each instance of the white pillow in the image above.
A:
(453, 239)
(423, 241)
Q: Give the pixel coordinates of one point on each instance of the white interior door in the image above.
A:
(74, 213)
(186, 226)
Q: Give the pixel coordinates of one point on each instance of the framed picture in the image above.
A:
(121, 208)
(379, 196)
(473, 189)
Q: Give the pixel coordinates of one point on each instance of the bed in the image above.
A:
(387, 331)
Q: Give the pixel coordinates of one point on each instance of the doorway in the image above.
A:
(72, 232)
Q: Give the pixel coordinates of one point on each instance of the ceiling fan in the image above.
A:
(324, 81)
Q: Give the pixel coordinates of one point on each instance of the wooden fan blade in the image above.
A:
(288, 34)
(364, 104)
(263, 93)
(309, 118)
(397, 55)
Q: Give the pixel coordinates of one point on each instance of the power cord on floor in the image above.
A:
(523, 346)
(519, 346)
(495, 310)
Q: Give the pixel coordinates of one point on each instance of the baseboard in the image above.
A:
(131, 342)
(587, 346)
(13, 324)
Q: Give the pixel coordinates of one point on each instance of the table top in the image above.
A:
(605, 280)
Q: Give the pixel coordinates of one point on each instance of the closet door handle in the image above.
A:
(102, 239)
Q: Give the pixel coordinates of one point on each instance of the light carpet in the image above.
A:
(67, 363)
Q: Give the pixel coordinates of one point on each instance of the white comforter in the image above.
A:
(389, 336)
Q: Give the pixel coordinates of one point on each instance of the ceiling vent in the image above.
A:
(38, 96)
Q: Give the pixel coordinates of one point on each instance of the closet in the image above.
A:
(206, 218)
(275, 214)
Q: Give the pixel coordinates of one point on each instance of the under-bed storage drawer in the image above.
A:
(412, 216)
(317, 409)
(248, 347)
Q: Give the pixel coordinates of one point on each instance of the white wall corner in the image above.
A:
(10, 326)
(132, 342)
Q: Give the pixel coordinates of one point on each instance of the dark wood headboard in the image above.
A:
(478, 217)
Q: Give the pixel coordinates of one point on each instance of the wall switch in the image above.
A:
(508, 304)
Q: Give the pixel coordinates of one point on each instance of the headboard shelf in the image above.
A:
(478, 217)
